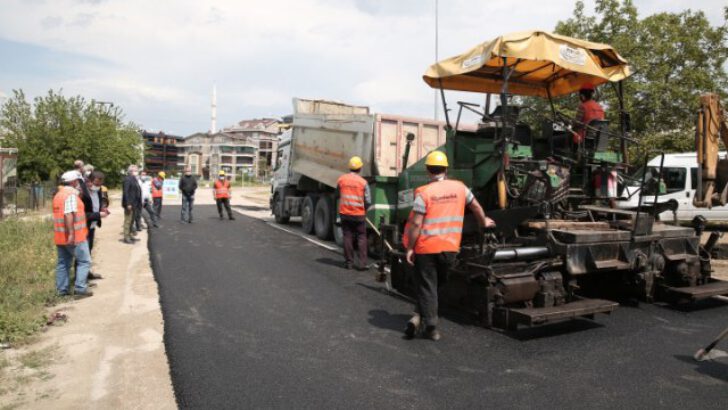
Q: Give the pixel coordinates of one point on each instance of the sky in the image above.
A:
(158, 60)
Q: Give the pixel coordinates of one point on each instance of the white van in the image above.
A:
(680, 175)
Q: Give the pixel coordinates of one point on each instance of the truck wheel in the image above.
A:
(324, 218)
(338, 235)
(278, 210)
(307, 212)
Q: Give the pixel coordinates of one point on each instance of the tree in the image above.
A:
(54, 131)
(675, 57)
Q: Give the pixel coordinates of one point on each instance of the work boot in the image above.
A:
(432, 333)
(413, 325)
(348, 265)
(128, 241)
(232, 218)
(81, 295)
(221, 217)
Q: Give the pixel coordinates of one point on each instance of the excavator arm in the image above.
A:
(711, 127)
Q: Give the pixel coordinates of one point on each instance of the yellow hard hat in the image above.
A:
(436, 159)
(221, 172)
(162, 174)
(355, 163)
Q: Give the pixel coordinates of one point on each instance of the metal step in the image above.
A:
(695, 293)
(612, 264)
(572, 310)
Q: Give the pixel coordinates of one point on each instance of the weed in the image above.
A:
(38, 359)
(27, 280)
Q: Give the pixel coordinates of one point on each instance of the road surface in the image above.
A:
(259, 318)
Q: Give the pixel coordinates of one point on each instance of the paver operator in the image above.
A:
(354, 198)
(222, 195)
(432, 238)
(588, 111)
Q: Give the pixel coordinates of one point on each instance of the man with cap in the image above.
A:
(158, 193)
(354, 197)
(222, 195)
(588, 111)
(70, 233)
(432, 238)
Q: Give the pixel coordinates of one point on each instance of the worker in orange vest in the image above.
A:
(432, 238)
(222, 195)
(158, 193)
(70, 233)
(588, 111)
(354, 198)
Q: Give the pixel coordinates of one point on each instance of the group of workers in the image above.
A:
(78, 209)
(141, 193)
(432, 233)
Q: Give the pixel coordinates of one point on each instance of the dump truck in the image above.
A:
(315, 150)
(559, 250)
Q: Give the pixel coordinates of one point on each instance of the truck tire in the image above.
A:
(324, 218)
(338, 235)
(307, 214)
(278, 210)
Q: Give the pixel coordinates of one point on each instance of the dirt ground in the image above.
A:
(109, 353)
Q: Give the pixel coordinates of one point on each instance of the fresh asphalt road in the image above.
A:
(259, 318)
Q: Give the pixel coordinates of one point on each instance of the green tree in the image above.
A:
(675, 57)
(54, 131)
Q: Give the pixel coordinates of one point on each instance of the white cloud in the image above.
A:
(159, 59)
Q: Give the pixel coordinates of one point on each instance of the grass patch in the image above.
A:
(37, 359)
(27, 278)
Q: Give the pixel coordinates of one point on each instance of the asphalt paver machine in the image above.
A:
(558, 251)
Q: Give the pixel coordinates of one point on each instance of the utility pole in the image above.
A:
(436, 50)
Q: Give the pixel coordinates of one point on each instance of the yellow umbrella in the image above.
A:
(543, 64)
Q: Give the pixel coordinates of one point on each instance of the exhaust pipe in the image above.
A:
(521, 254)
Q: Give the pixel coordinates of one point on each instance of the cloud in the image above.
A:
(159, 59)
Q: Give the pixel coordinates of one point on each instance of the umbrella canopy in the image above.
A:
(544, 63)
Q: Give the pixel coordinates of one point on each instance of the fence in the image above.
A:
(26, 198)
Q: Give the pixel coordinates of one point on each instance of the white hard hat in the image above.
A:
(70, 176)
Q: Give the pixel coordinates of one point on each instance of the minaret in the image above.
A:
(213, 122)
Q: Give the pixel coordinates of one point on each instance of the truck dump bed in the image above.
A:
(326, 134)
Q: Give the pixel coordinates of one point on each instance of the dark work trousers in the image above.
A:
(355, 231)
(151, 220)
(226, 203)
(430, 270)
(137, 225)
(158, 207)
(90, 238)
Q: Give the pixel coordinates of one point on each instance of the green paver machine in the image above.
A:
(555, 252)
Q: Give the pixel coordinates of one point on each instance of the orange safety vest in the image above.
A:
(222, 189)
(351, 194)
(157, 193)
(442, 227)
(591, 111)
(60, 236)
